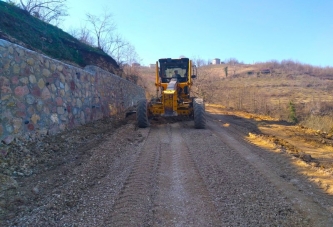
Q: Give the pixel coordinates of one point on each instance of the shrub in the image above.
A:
(292, 112)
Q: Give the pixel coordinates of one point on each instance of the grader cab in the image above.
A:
(174, 78)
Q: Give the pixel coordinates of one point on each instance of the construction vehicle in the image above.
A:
(174, 78)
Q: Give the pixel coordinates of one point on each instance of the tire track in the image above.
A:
(133, 206)
(182, 198)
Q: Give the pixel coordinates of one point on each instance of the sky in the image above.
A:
(248, 30)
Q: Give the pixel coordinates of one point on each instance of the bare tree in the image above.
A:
(82, 34)
(232, 61)
(117, 47)
(50, 11)
(130, 55)
(198, 61)
(103, 28)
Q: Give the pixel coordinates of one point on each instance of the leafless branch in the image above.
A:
(48, 11)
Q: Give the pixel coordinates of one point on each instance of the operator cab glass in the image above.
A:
(173, 68)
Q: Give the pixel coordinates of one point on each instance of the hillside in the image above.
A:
(17, 26)
(266, 88)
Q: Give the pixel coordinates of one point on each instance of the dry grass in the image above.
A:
(249, 88)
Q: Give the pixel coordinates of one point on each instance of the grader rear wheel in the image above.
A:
(141, 114)
(199, 113)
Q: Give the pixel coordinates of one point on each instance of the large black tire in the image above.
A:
(141, 114)
(199, 113)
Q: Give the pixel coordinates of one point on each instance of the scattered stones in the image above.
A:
(306, 157)
(7, 182)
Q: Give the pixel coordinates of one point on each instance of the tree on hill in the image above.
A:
(103, 28)
(102, 33)
(50, 11)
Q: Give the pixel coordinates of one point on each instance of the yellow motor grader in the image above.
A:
(173, 84)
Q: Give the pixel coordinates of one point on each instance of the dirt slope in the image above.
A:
(167, 175)
(311, 151)
(17, 26)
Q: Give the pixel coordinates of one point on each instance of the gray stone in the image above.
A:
(9, 128)
(20, 52)
(41, 83)
(8, 139)
(32, 79)
(10, 50)
(30, 99)
(6, 182)
(62, 78)
(46, 93)
(30, 61)
(40, 104)
(66, 87)
(60, 110)
(42, 131)
(60, 67)
(24, 80)
(79, 103)
(35, 190)
(17, 123)
(4, 43)
(53, 67)
(54, 118)
(53, 88)
(16, 69)
(83, 119)
(46, 72)
(64, 117)
(75, 111)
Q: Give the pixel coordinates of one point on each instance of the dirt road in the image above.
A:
(169, 175)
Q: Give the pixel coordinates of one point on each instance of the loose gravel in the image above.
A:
(167, 175)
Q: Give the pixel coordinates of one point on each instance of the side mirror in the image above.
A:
(194, 76)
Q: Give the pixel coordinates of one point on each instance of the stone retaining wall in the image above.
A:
(40, 95)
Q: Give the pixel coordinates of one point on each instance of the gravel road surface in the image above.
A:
(169, 174)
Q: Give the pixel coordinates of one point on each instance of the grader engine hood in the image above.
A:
(170, 99)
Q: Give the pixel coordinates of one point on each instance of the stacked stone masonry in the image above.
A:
(40, 95)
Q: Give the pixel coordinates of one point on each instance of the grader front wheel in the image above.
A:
(199, 113)
(141, 114)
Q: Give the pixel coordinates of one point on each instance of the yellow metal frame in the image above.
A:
(184, 108)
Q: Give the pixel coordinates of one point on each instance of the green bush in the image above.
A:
(292, 112)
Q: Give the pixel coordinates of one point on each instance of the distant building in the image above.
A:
(216, 61)
(152, 66)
